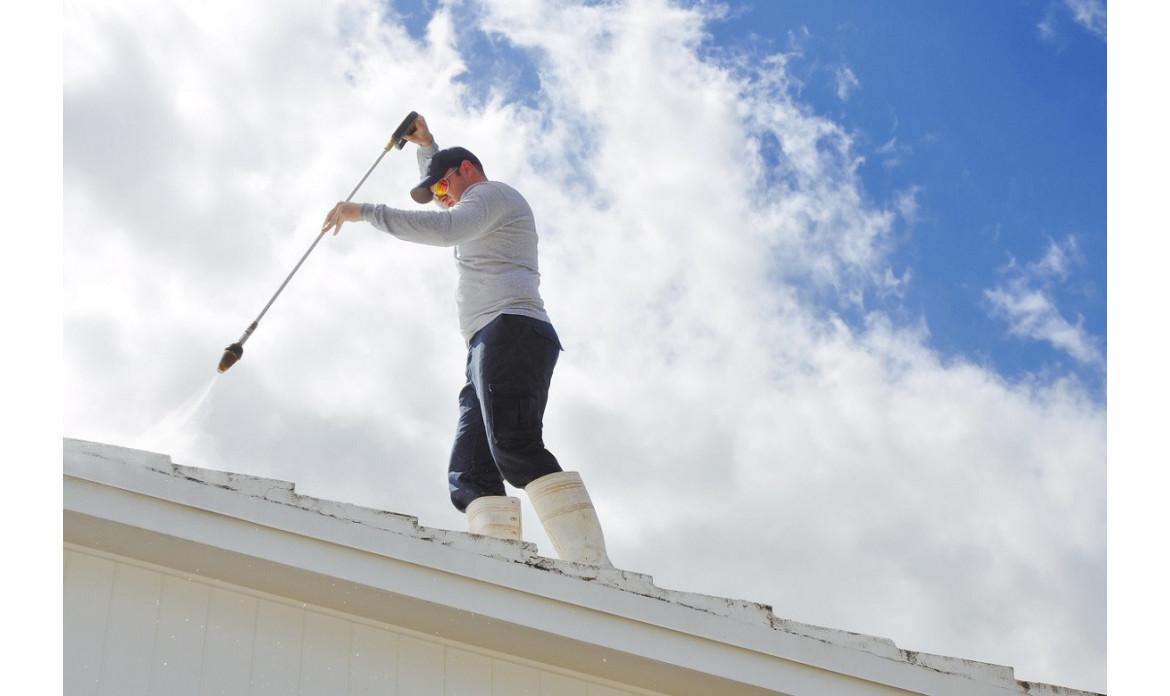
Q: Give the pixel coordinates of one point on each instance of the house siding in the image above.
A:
(132, 628)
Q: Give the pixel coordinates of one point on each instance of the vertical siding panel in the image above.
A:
(228, 641)
(277, 651)
(373, 662)
(510, 678)
(420, 668)
(558, 685)
(130, 636)
(178, 649)
(467, 674)
(85, 608)
(325, 655)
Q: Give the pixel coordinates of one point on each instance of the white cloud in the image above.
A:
(1090, 14)
(907, 204)
(847, 475)
(891, 152)
(846, 82)
(1046, 28)
(1026, 301)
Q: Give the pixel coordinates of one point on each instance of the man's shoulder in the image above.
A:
(493, 184)
(498, 191)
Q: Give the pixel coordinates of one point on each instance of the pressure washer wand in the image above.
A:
(235, 351)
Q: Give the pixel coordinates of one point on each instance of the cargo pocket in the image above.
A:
(515, 420)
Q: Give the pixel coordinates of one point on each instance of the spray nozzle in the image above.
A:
(231, 354)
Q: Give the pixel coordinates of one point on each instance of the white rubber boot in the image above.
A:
(495, 516)
(567, 513)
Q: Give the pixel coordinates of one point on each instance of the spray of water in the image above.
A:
(178, 432)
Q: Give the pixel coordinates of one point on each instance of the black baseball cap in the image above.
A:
(440, 163)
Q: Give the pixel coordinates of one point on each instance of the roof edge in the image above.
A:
(155, 474)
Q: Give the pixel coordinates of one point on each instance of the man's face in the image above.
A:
(455, 184)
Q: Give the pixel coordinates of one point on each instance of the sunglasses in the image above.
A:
(441, 186)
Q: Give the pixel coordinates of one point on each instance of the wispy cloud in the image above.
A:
(891, 152)
(1027, 302)
(847, 82)
(1090, 14)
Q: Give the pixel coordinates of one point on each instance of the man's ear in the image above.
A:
(468, 169)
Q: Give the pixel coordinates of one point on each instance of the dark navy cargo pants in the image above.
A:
(501, 409)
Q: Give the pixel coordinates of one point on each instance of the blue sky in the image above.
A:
(995, 114)
(831, 278)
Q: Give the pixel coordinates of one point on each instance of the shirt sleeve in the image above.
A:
(424, 153)
(478, 212)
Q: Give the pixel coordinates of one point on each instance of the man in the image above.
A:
(512, 348)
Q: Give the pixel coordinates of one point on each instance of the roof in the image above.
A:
(500, 595)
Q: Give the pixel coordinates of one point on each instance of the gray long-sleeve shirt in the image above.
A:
(494, 234)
